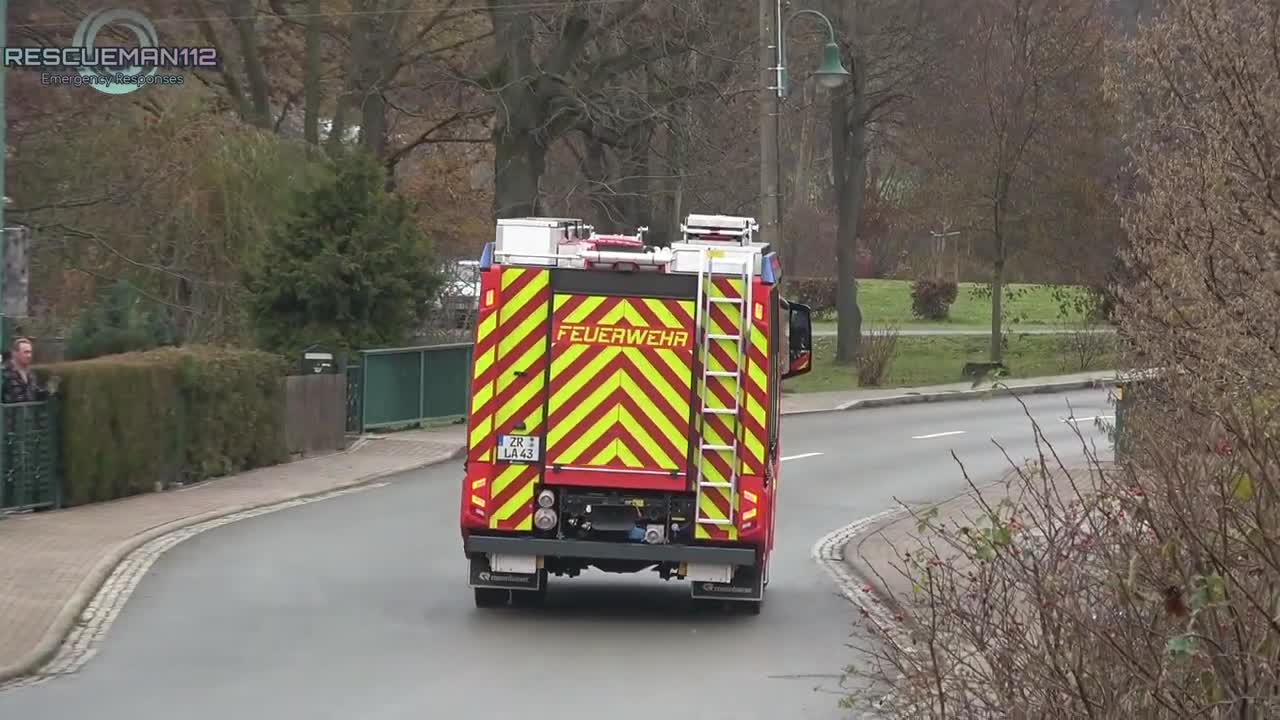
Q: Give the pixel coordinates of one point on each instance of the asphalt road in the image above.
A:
(357, 607)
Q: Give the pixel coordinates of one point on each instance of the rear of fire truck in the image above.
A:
(624, 408)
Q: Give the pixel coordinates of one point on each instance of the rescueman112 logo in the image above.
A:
(113, 70)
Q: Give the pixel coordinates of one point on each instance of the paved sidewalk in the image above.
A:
(52, 564)
(802, 403)
(876, 555)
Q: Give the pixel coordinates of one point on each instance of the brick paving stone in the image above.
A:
(44, 557)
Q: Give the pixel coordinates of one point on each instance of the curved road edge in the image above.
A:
(61, 649)
(66, 644)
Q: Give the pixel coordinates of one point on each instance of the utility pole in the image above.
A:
(769, 106)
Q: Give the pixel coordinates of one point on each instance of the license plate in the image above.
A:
(519, 448)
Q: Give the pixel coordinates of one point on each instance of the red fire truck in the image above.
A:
(624, 410)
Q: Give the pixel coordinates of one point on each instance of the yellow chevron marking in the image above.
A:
(676, 398)
(478, 483)
(588, 306)
(532, 321)
(523, 497)
(660, 311)
(481, 431)
(641, 436)
(571, 454)
(627, 457)
(477, 501)
(508, 475)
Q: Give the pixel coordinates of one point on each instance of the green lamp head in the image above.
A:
(831, 73)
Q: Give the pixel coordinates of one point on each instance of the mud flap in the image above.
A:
(748, 585)
(482, 576)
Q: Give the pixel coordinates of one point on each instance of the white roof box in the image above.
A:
(719, 229)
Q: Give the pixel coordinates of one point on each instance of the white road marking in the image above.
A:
(798, 457)
(1086, 419)
(937, 435)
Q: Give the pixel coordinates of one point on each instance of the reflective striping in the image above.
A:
(621, 406)
(483, 377)
(756, 400)
(522, 310)
(512, 497)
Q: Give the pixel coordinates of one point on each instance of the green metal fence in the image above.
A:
(30, 455)
(407, 386)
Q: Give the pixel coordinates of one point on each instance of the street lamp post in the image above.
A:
(830, 74)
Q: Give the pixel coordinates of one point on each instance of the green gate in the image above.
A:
(30, 473)
(395, 387)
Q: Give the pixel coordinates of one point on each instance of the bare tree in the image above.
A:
(887, 48)
(1020, 79)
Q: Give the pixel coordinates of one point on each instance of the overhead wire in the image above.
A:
(177, 20)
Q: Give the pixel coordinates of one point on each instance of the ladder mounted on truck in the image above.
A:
(727, 249)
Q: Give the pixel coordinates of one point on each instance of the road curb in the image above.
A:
(861, 570)
(65, 622)
(913, 398)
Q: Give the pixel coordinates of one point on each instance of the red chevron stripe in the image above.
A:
(718, 463)
(725, 286)
(721, 391)
(685, 316)
(647, 388)
(524, 512)
(490, 340)
(528, 475)
(570, 374)
(719, 425)
(512, 317)
(716, 533)
(569, 307)
(717, 500)
(724, 321)
(678, 384)
(721, 354)
(610, 436)
(531, 405)
(522, 280)
(664, 445)
(595, 316)
(650, 319)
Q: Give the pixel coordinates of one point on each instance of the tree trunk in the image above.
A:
(519, 156)
(519, 162)
(849, 175)
(311, 87)
(997, 301)
(244, 17)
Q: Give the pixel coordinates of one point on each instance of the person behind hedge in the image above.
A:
(20, 382)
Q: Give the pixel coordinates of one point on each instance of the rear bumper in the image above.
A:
(594, 550)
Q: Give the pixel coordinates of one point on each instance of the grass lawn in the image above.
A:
(889, 301)
(938, 359)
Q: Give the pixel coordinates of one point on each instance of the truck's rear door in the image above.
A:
(621, 385)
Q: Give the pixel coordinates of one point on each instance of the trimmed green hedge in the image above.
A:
(174, 414)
